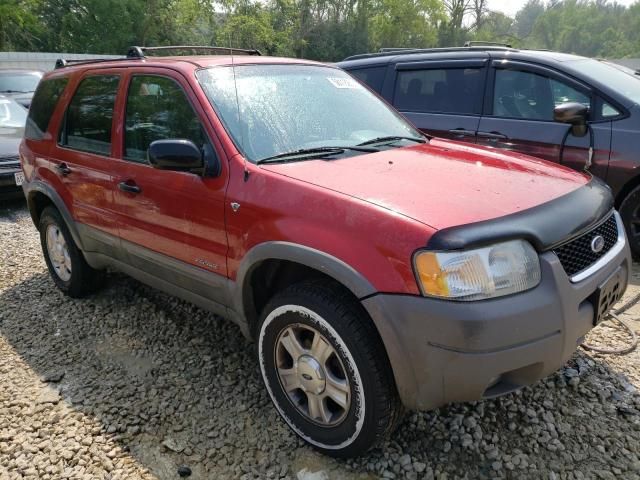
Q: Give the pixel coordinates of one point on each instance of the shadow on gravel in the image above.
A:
(10, 208)
(178, 386)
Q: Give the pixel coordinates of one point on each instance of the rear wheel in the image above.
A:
(630, 213)
(325, 369)
(67, 266)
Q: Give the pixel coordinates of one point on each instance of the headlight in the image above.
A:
(493, 271)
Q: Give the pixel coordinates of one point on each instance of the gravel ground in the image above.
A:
(131, 383)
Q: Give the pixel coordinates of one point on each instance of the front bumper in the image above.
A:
(444, 351)
(8, 187)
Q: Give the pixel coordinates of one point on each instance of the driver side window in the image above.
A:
(158, 109)
(530, 96)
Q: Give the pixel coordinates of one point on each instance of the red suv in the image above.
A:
(374, 266)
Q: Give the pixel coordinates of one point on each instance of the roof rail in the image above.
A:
(387, 52)
(139, 52)
(395, 49)
(69, 62)
(480, 43)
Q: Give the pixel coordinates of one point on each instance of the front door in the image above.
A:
(519, 116)
(169, 216)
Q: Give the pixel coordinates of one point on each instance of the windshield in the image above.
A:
(12, 115)
(615, 78)
(18, 82)
(285, 108)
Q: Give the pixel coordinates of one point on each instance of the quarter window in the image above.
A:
(42, 106)
(453, 90)
(609, 111)
(157, 109)
(88, 120)
(531, 96)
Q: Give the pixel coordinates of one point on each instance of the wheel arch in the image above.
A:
(626, 189)
(277, 265)
(39, 196)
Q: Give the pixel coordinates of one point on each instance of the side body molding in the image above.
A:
(36, 186)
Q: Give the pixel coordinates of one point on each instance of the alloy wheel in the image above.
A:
(312, 375)
(58, 252)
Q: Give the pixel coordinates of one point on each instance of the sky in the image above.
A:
(510, 7)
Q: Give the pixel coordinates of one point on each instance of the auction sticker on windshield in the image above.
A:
(19, 178)
(343, 82)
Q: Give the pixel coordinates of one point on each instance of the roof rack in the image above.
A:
(479, 43)
(69, 62)
(386, 52)
(396, 49)
(139, 52)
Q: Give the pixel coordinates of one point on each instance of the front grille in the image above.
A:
(9, 158)
(10, 166)
(577, 255)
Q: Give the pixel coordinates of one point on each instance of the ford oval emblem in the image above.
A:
(597, 244)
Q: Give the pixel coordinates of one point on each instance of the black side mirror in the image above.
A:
(575, 114)
(175, 154)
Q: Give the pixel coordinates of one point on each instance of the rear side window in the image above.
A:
(373, 77)
(451, 90)
(87, 125)
(42, 106)
(158, 109)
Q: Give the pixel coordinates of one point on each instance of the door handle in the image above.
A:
(461, 132)
(63, 169)
(129, 187)
(492, 136)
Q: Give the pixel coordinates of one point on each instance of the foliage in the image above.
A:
(318, 29)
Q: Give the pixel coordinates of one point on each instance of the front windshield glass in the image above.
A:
(615, 78)
(18, 82)
(12, 115)
(284, 108)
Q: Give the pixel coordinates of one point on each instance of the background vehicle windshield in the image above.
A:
(18, 82)
(12, 115)
(618, 80)
(283, 108)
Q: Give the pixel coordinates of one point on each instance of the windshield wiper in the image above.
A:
(313, 152)
(391, 139)
(16, 91)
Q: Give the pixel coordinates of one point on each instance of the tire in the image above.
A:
(630, 213)
(342, 357)
(68, 268)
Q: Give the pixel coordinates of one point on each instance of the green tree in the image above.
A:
(18, 24)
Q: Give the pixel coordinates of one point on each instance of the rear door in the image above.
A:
(82, 158)
(178, 215)
(442, 97)
(518, 115)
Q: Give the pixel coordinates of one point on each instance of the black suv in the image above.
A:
(572, 110)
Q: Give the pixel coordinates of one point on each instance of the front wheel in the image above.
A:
(630, 213)
(325, 369)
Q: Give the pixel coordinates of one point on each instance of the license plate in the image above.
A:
(607, 295)
(19, 178)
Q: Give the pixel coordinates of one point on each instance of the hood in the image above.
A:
(10, 142)
(23, 99)
(442, 183)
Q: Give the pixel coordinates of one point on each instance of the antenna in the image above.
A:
(235, 86)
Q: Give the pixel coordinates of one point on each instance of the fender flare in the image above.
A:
(306, 256)
(36, 186)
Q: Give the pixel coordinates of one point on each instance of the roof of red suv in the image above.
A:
(187, 62)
